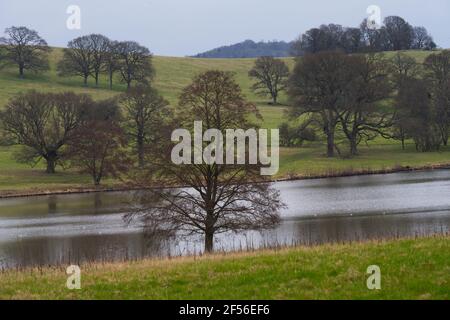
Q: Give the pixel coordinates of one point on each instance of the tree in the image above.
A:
(99, 46)
(98, 145)
(218, 197)
(111, 62)
(135, 62)
(271, 75)
(26, 49)
(144, 110)
(78, 59)
(400, 34)
(402, 67)
(419, 116)
(437, 69)
(361, 117)
(316, 86)
(422, 40)
(44, 123)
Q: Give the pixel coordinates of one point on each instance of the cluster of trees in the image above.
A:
(97, 137)
(423, 100)
(347, 95)
(86, 56)
(73, 130)
(94, 54)
(395, 34)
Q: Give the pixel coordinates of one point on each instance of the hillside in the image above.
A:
(249, 49)
(172, 74)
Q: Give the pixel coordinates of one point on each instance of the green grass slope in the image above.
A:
(410, 269)
(172, 74)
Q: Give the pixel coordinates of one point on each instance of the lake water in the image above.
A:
(58, 229)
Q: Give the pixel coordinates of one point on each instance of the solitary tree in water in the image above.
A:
(219, 197)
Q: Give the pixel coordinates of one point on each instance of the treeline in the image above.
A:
(360, 97)
(394, 35)
(87, 56)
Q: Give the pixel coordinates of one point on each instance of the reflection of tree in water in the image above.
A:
(97, 201)
(51, 202)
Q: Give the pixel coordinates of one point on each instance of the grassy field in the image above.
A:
(172, 74)
(410, 269)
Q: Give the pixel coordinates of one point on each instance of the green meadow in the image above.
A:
(172, 74)
(409, 269)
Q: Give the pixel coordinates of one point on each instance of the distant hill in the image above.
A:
(249, 49)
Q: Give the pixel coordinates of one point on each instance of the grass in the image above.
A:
(172, 74)
(410, 269)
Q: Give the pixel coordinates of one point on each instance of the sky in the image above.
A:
(187, 27)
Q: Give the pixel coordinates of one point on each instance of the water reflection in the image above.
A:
(89, 227)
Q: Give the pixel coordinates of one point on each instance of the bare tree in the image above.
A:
(403, 67)
(78, 59)
(111, 62)
(144, 109)
(218, 197)
(419, 115)
(100, 48)
(437, 68)
(26, 49)
(44, 123)
(98, 145)
(360, 116)
(316, 87)
(135, 62)
(271, 75)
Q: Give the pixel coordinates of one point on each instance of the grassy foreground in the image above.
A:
(410, 269)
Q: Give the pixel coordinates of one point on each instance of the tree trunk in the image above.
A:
(110, 80)
(51, 164)
(21, 71)
(330, 143)
(140, 146)
(353, 146)
(209, 242)
(275, 98)
(97, 179)
(96, 79)
(85, 81)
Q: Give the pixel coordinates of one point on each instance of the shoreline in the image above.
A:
(299, 177)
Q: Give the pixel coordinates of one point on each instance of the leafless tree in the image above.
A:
(78, 59)
(403, 66)
(144, 110)
(111, 62)
(360, 115)
(437, 69)
(135, 62)
(98, 145)
(271, 75)
(26, 49)
(100, 49)
(316, 87)
(217, 197)
(44, 123)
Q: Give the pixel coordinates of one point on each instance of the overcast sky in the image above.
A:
(185, 27)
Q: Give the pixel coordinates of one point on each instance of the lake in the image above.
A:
(62, 229)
